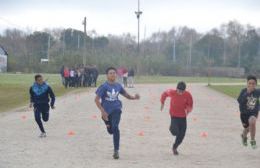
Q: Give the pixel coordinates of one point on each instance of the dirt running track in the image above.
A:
(77, 137)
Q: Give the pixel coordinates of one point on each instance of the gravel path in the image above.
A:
(77, 137)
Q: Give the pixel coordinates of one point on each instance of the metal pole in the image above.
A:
(78, 41)
(224, 52)
(49, 44)
(239, 55)
(63, 48)
(138, 14)
(190, 51)
(85, 34)
(85, 25)
(174, 52)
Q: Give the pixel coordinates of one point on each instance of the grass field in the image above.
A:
(14, 87)
(231, 90)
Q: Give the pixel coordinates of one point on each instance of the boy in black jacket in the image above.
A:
(249, 106)
(40, 93)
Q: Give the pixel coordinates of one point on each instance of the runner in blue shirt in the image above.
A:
(110, 106)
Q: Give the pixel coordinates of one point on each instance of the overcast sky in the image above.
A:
(117, 16)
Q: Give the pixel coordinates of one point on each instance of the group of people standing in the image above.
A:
(81, 76)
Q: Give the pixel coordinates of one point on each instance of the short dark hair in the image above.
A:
(251, 77)
(181, 86)
(110, 68)
(37, 76)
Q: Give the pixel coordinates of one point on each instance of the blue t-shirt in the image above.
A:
(109, 96)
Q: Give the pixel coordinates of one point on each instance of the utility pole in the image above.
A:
(138, 14)
(224, 52)
(85, 34)
(239, 55)
(85, 25)
(209, 64)
(190, 58)
(174, 50)
(78, 41)
(63, 44)
(144, 47)
(48, 51)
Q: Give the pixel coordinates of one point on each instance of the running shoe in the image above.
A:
(253, 144)
(43, 135)
(244, 140)
(116, 155)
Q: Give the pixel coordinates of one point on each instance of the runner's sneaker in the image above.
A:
(43, 135)
(175, 152)
(253, 144)
(116, 155)
(244, 140)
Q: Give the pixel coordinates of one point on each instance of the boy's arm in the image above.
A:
(52, 95)
(31, 97)
(242, 97)
(164, 96)
(103, 112)
(189, 103)
(130, 97)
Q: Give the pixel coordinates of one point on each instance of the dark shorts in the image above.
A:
(113, 120)
(245, 118)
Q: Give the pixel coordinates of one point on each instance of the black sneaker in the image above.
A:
(116, 155)
(175, 152)
(253, 144)
(43, 135)
(244, 140)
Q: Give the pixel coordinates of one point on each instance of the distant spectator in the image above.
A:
(120, 75)
(66, 75)
(131, 74)
(72, 78)
(62, 75)
(125, 76)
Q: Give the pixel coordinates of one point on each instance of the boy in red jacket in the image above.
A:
(181, 105)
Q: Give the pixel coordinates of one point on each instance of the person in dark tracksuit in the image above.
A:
(249, 106)
(39, 97)
(110, 106)
(181, 104)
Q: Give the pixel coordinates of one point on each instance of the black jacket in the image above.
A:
(43, 98)
(249, 102)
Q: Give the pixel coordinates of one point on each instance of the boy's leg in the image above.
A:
(37, 116)
(245, 132)
(45, 113)
(182, 123)
(95, 81)
(174, 128)
(115, 120)
(108, 124)
(245, 122)
(252, 127)
(131, 81)
(66, 82)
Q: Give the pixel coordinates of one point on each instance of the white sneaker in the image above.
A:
(43, 135)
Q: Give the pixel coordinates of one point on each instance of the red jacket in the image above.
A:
(180, 105)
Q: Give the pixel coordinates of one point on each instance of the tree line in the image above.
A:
(174, 52)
